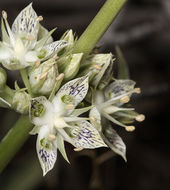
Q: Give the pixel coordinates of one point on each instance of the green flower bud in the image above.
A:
(42, 79)
(73, 66)
(20, 102)
(3, 78)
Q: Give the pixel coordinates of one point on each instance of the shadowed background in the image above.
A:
(142, 30)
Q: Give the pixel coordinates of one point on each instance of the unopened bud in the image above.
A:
(73, 66)
(20, 102)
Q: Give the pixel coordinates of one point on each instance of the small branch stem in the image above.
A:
(14, 140)
(24, 76)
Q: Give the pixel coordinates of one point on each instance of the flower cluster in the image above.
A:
(63, 86)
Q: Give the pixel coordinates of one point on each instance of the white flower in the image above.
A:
(27, 42)
(58, 121)
(108, 104)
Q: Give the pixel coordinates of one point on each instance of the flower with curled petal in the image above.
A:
(108, 105)
(27, 42)
(59, 121)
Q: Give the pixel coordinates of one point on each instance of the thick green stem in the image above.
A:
(18, 135)
(98, 26)
(24, 76)
(13, 141)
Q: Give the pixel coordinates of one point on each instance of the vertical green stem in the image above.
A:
(98, 26)
(24, 76)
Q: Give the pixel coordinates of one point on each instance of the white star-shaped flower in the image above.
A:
(59, 121)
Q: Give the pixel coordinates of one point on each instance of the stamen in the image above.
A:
(40, 18)
(37, 64)
(52, 137)
(4, 14)
(125, 99)
(43, 75)
(97, 67)
(30, 38)
(78, 149)
(140, 118)
(137, 90)
(70, 107)
(130, 128)
(93, 119)
(60, 77)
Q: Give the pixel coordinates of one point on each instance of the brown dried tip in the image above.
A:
(130, 128)
(60, 77)
(78, 149)
(140, 118)
(52, 137)
(93, 119)
(4, 14)
(125, 99)
(30, 38)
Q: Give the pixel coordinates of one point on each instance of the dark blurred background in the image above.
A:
(142, 30)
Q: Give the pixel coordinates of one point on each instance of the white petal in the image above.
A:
(46, 150)
(84, 135)
(43, 32)
(72, 92)
(5, 52)
(26, 22)
(31, 56)
(35, 130)
(114, 141)
(54, 47)
(119, 87)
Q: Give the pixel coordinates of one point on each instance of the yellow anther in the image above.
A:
(78, 149)
(37, 64)
(93, 119)
(130, 128)
(40, 18)
(125, 99)
(140, 118)
(30, 38)
(97, 67)
(43, 75)
(60, 77)
(137, 90)
(52, 137)
(4, 14)
(69, 106)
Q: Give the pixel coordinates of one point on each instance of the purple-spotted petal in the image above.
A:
(46, 150)
(84, 135)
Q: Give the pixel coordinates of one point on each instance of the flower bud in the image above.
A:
(68, 36)
(20, 102)
(3, 78)
(42, 79)
(73, 66)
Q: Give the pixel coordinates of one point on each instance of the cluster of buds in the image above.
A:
(61, 84)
